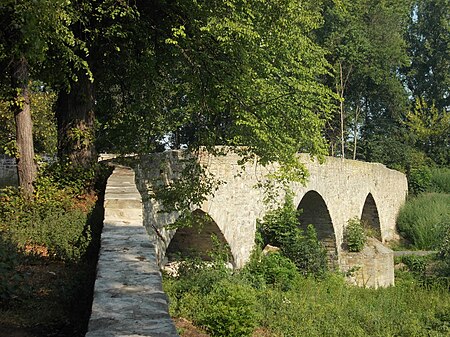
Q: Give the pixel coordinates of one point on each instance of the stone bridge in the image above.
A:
(128, 296)
(336, 191)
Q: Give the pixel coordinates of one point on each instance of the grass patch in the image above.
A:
(424, 220)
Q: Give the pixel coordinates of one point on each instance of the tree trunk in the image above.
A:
(26, 166)
(76, 122)
(340, 92)
(355, 131)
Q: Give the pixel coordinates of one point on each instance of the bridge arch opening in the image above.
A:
(370, 218)
(313, 210)
(198, 240)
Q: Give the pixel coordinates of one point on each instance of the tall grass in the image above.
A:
(423, 220)
(332, 308)
(440, 180)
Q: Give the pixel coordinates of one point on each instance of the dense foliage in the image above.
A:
(354, 235)
(227, 73)
(285, 303)
(54, 225)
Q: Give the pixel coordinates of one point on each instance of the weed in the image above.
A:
(419, 179)
(440, 180)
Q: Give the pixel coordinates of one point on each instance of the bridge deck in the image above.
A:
(128, 295)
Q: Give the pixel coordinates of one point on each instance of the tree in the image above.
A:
(428, 78)
(226, 73)
(431, 129)
(98, 26)
(366, 61)
(428, 74)
(215, 73)
(35, 34)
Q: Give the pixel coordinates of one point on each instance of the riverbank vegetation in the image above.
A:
(270, 295)
(424, 221)
(48, 252)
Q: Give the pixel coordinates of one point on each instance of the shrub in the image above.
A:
(229, 310)
(8, 275)
(416, 264)
(424, 220)
(306, 251)
(280, 227)
(272, 269)
(201, 275)
(209, 295)
(419, 179)
(279, 224)
(444, 253)
(54, 222)
(354, 235)
(64, 175)
(63, 233)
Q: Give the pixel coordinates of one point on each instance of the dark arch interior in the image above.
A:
(197, 240)
(314, 211)
(370, 217)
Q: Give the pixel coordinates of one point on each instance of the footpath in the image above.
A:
(128, 296)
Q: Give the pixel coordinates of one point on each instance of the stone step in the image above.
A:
(123, 203)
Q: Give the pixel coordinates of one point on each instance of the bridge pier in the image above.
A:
(372, 267)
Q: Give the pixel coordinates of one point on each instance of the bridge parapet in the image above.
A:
(128, 295)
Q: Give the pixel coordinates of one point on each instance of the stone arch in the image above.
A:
(314, 210)
(370, 218)
(197, 240)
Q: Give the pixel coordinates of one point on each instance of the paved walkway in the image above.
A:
(128, 296)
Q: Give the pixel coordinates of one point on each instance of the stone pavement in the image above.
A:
(128, 296)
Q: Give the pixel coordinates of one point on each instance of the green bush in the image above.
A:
(354, 235)
(210, 296)
(233, 306)
(279, 224)
(65, 175)
(280, 228)
(424, 220)
(306, 251)
(55, 220)
(63, 233)
(416, 264)
(272, 269)
(444, 253)
(200, 276)
(8, 274)
(419, 179)
(229, 310)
